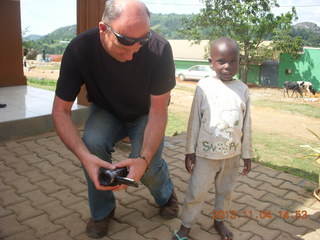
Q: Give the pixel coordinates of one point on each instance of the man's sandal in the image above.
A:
(175, 232)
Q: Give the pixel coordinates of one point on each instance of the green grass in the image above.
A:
(43, 83)
(285, 155)
(296, 108)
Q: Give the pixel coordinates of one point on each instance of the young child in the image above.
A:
(219, 133)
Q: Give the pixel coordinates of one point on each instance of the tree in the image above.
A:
(249, 22)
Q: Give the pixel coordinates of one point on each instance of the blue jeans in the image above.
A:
(102, 131)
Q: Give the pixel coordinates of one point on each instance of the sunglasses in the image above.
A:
(127, 41)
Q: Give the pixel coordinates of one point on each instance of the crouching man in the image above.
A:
(128, 71)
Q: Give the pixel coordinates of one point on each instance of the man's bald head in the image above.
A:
(116, 8)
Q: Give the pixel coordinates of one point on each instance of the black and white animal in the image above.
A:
(293, 86)
(307, 87)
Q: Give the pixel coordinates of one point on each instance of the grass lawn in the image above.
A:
(47, 84)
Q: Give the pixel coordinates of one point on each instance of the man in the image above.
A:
(128, 71)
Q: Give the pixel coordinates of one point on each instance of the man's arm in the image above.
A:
(68, 133)
(153, 135)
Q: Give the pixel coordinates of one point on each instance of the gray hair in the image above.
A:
(113, 11)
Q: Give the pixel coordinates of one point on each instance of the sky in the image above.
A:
(44, 16)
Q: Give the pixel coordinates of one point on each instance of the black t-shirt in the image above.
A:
(123, 88)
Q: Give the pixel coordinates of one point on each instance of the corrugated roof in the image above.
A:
(184, 49)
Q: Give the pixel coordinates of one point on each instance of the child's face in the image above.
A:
(225, 60)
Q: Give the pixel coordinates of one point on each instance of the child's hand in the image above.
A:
(246, 167)
(190, 162)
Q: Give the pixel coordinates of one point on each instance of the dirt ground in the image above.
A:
(264, 119)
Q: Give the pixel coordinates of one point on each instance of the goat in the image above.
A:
(294, 86)
(307, 88)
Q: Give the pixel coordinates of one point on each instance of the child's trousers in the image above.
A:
(223, 173)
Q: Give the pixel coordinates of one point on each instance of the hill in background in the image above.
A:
(165, 24)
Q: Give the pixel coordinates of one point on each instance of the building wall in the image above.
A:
(11, 67)
(305, 68)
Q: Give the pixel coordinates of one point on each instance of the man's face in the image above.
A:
(111, 44)
(225, 60)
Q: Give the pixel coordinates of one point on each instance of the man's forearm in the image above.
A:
(153, 134)
(69, 134)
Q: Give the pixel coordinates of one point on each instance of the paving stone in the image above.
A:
(72, 223)
(44, 166)
(49, 186)
(61, 234)
(25, 235)
(20, 166)
(24, 210)
(251, 182)
(11, 159)
(74, 185)
(9, 176)
(58, 175)
(37, 197)
(69, 167)
(34, 176)
(252, 203)
(84, 236)
(286, 236)
(124, 198)
(82, 208)
(42, 151)
(54, 159)
(79, 174)
(32, 158)
(253, 227)
(4, 186)
(66, 197)
(287, 177)
(281, 225)
(265, 170)
(270, 197)
(4, 212)
(129, 232)
(9, 197)
(146, 209)
(122, 211)
(55, 210)
(115, 227)
(20, 151)
(160, 233)
(291, 187)
(248, 190)
(139, 222)
(197, 233)
(10, 226)
(172, 224)
(272, 180)
(11, 144)
(143, 194)
(205, 222)
(238, 235)
(22, 185)
(4, 151)
(268, 187)
(42, 226)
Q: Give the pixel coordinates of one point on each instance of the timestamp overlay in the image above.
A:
(265, 214)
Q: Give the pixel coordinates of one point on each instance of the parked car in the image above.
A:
(196, 72)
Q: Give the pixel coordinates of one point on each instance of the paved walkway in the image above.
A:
(43, 196)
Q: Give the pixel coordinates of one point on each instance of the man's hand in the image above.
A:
(137, 167)
(93, 164)
(246, 167)
(190, 162)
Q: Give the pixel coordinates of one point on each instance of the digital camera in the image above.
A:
(118, 176)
